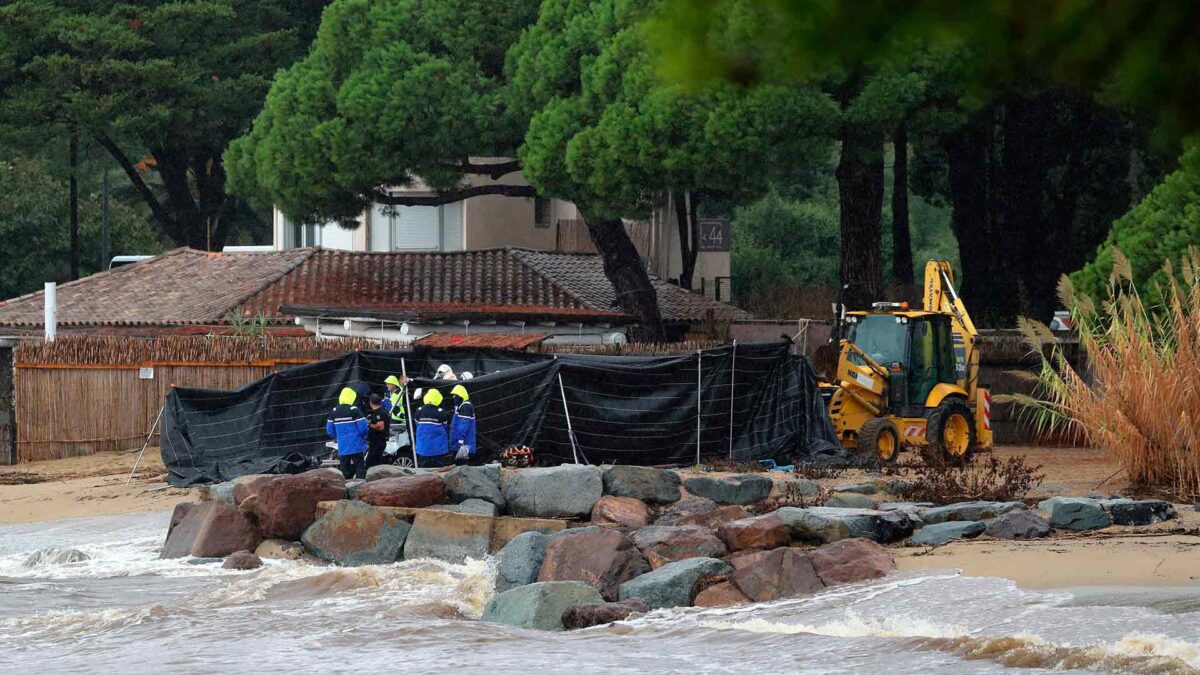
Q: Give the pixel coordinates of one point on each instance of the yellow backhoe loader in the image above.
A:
(910, 379)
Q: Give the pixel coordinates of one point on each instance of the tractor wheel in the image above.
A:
(950, 431)
(878, 438)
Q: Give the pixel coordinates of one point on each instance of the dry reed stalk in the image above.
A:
(1145, 360)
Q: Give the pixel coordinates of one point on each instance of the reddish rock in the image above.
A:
(721, 595)
(243, 489)
(782, 573)
(411, 491)
(177, 516)
(745, 558)
(761, 532)
(666, 544)
(620, 511)
(600, 613)
(603, 559)
(851, 560)
(211, 530)
(242, 560)
(288, 504)
(700, 511)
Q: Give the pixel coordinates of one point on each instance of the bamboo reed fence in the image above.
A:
(80, 395)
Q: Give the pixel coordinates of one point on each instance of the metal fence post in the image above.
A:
(699, 369)
(732, 382)
(570, 431)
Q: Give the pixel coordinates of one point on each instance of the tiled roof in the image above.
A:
(482, 340)
(185, 286)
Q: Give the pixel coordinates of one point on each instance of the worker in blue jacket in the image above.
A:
(348, 426)
(462, 426)
(433, 446)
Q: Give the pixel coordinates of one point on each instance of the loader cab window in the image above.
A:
(932, 357)
(883, 337)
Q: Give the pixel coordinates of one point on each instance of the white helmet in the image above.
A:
(418, 394)
(444, 372)
(466, 375)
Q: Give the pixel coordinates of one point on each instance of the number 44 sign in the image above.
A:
(714, 235)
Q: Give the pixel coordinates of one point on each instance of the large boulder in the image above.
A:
(969, 511)
(851, 560)
(211, 530)
(620, 512)
(221, 492)
(742, 489)
(520, 561)
(601, 558)
(823, 525)
(674, 584)
(242, 560)
(415, 492)
(586, 616)
(474, 482)
(662, 544)
(761, 532)
(355, 533)
(449, 536)
(700, 511)
(381, 471)
(478, 507)
(287, 505)
(508, 527)
(567, 491)
(781, 573)
(851, 500)
(1145, 512)
(645, 483)
(540, 605)
(936, 534)
(1079, 515)
(55, 556)
(245, 487)
(723, 594)
(858, 488)
(1018, 525)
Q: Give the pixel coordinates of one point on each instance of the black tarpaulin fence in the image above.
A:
(744, 401)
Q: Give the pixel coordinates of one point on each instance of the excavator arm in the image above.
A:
(940, 296)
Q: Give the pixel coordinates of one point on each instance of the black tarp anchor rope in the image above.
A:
(412, 439)
(146, 444)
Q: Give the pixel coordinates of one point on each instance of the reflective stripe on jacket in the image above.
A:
(394, 404)
(431, 432)
(348, 426)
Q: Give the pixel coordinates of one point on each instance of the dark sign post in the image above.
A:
(714, 235)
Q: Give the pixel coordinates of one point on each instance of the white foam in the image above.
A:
(852, 626)
(1142, 644)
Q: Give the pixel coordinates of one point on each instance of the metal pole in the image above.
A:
(146, 444)
(732, 382)
(104, 242)
(570, 431)
(412, 438)
(699, 360)
(50, 320)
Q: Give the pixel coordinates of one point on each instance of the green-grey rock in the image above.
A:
(539, 605)
(673, 584)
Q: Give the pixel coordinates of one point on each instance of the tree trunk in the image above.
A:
(902, 254)
(625, 271)
(688, 224)
(860, 197)
(968, 169)
(73, 150)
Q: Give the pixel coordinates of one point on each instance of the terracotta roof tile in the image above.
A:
(191, 287)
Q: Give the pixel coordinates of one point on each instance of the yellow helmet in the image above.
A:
(433, 397)
(347, 396)
(460, 391)
(392, 380)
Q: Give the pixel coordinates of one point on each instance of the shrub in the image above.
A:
(989, 479)
(1144, 361)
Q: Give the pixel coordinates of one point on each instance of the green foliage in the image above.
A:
(33, 228)
(1161, 227)
(177, 80)
(778, 242)
(606, 132)
(392, 92)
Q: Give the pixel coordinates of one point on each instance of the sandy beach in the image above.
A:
(1167, 554)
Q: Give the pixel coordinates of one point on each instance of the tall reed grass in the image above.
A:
(1142, 400)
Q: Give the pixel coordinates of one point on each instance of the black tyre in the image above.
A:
(879, 439)
(950, 431)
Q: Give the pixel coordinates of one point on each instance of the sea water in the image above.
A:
(124, 610)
